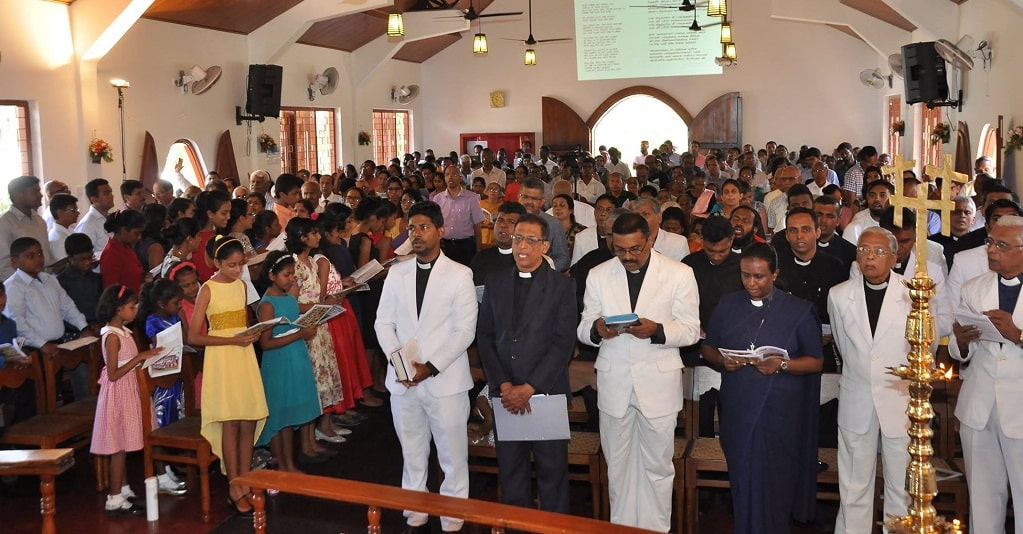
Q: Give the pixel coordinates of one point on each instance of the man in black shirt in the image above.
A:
(716, 269)
(827, 209)
(498, 256)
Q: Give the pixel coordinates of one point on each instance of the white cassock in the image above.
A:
(585, 242)
(438, 406)
(640, 384)
(989, 412)
(871, 402)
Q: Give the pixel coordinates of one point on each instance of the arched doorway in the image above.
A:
(638, 118)
(988, 146)
(193, 168)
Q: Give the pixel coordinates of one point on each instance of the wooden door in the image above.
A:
(563, 128)
(719, 123)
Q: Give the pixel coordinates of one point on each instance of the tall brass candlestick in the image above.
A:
(920, 480)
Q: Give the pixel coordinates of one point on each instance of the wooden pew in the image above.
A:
(46, 464)
(377, 496)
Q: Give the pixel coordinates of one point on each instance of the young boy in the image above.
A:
(78, 279)
(39, 305)
(9, 398)
(286, 195)
(64, 209)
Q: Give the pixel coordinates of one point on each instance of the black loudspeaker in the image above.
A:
(924, 74)
(263, 96)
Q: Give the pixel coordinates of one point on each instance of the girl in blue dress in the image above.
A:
(288, 381)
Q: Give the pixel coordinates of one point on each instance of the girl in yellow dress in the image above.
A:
(233, 406)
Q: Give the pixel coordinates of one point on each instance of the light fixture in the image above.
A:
(530, 56)
(717, 8)
(479, 44)
(730, 51)
(395, 25)
(121, 85)
(726, 33)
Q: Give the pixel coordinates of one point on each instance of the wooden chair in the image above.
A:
(678, 460)
(585, 463)
(179, 442)
(44, 430)
(705, 467)
(66, 360)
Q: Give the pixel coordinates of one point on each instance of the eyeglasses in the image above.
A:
(632, 251)
(875, 251)
(1002, 246)
(530, 240)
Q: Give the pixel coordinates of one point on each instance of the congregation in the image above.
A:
(498, 271)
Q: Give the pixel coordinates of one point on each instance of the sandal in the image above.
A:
(233, 504)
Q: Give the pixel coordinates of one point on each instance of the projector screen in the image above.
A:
(614, 40)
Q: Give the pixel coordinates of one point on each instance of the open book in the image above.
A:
(367, 272)
(316, 315)
(13, 349)
(757, 354)
(168, 361)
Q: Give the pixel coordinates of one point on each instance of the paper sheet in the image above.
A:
(548, 419)
(988, 332)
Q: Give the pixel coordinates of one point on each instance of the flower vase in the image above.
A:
(97, 159)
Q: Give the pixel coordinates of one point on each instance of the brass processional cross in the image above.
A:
(920, 480)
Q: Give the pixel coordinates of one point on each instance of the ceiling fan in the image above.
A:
(471, 14)
(530, 41)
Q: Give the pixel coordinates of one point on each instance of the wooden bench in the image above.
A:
(377, 496)
(44, 430)
(46, 464)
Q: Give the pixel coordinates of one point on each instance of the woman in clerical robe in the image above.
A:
(769, 407)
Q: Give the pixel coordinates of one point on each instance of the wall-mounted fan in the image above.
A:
(898, 67)
(874, 78)
(197, 79)
(404, 94)
(955, 54)
(325, 83)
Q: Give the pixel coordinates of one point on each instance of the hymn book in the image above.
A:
(757, 354)
(403, 358)
(317, 315)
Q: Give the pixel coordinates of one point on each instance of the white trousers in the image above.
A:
(418, 416)
(857, 467)
(994, 463)
(639, 468)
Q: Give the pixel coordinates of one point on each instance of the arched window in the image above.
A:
(637, 118)
(193, 168)
(988, 146)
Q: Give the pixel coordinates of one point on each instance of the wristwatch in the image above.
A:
(784, 365)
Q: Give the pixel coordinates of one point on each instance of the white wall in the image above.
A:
(993, 93)
(798, 81)
(38, 66)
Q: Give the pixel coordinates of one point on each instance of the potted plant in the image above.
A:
(899, 128)
(100, 151)
(941, 133)
(267, 145)
(1015, 141)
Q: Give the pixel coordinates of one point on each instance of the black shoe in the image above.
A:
(822, 466)
(129, 509)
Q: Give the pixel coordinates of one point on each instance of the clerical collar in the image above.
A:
(875, 287)
(425, 266)
(760, 303)
(1009, 282)
(525, 275)
(504, 251)
(824, 244)
(641, 270)
(737, 250)
(800, 262)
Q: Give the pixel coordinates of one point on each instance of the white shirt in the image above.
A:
(860, 222)
(92, 226)
(671, 245)
(14, 224)
(40, 306)
(589, 191)
(621, 167)
(495, 175)
(58, 234)
(585, 242)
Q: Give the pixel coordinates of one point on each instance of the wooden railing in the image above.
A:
(377, 496)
